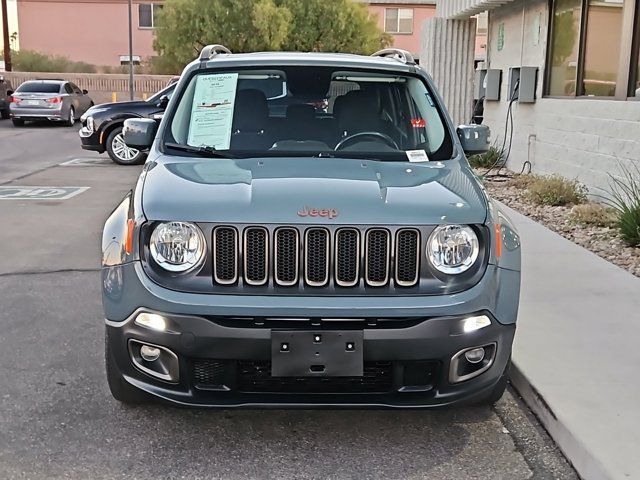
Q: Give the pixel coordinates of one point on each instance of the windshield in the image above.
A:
(309, 111)
(38, 87)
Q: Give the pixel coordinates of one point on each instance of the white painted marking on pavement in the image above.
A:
(87, 162)
(15, 192)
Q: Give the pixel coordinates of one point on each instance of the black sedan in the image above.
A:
(102, 125)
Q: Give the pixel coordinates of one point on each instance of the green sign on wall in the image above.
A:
(500, 36)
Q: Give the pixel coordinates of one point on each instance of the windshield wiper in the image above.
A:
(202, 151)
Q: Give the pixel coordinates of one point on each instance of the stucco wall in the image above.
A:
(577, 138)
(92, 32)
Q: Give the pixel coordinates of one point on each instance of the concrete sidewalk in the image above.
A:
(577, 352)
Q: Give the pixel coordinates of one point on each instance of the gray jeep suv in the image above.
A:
(307, 231)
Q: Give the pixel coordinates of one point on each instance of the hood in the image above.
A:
(312, 191)
(120, 105)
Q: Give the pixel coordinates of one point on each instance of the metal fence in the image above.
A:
(101, 86)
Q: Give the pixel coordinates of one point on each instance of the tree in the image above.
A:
(183, 27)
(333, 26)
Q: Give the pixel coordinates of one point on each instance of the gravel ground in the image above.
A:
(603, 241)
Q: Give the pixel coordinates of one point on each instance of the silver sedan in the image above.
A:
(53, 100)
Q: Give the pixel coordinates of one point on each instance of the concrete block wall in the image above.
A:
(581, 138)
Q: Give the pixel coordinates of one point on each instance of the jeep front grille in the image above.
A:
(377, 257)
(316, 256)
(287, 254)
(407, 257)
(225, 260)
(347, 262)
(256, 255)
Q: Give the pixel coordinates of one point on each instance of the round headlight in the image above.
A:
(453, 249)
(177, 246)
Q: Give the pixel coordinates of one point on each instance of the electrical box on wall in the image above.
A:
(528, 84)
(479, 89)
(492, 84)
(523, 82)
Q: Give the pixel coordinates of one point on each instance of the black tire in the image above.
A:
(121, 159)
(4, 114)
(120, 389)
(72, 118)
(17, 122)
(499, 389)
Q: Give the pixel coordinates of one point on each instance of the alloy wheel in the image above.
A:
(120, 149)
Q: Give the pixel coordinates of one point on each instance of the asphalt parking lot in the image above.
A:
(58, 420)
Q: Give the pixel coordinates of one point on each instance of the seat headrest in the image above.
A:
(301, 113)
(251, 111)
(358, 112)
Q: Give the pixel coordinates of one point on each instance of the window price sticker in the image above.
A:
(417, 156)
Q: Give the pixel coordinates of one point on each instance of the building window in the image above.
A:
(398, 20)
(586, 47)
(147, 14)
(603, 38)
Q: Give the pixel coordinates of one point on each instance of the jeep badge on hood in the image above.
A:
(329, 213)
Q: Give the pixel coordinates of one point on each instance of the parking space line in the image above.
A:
(87, 162)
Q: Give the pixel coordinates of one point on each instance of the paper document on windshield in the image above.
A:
(212, 111)
(417, 156)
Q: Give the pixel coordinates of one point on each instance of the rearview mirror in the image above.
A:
(163, 102)
(474, 138)
(9, 92)
(139, 133)
(85, 91)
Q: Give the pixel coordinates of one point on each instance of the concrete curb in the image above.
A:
(585, 463)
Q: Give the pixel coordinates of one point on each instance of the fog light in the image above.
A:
(472, 324)
(152, 320)
(474, 356)
(149, 354)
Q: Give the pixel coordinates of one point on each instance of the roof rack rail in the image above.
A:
(211, 51)
(403, 56)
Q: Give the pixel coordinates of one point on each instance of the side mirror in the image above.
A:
(474, 138)
(163, 102)
(85, 91)
(9, 93)
(139, 133)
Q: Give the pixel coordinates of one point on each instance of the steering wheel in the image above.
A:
(376, 135)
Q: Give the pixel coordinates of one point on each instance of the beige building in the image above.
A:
(584, 121)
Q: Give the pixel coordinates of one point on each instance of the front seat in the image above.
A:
(250, 121)
(359, 113)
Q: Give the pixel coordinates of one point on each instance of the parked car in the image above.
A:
(339, 256)
(102, 125)
(5, 88)
(53, 100)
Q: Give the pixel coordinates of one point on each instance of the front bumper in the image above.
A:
(231, 337)
(229, 366)
(90, 140)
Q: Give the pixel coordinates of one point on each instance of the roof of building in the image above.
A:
(467, 8)
(403, 2)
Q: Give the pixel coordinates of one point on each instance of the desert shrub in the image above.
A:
(522, 181)
(30, 61)
(491, 158)
(625, 199)
(593, 214)
(555, 190)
